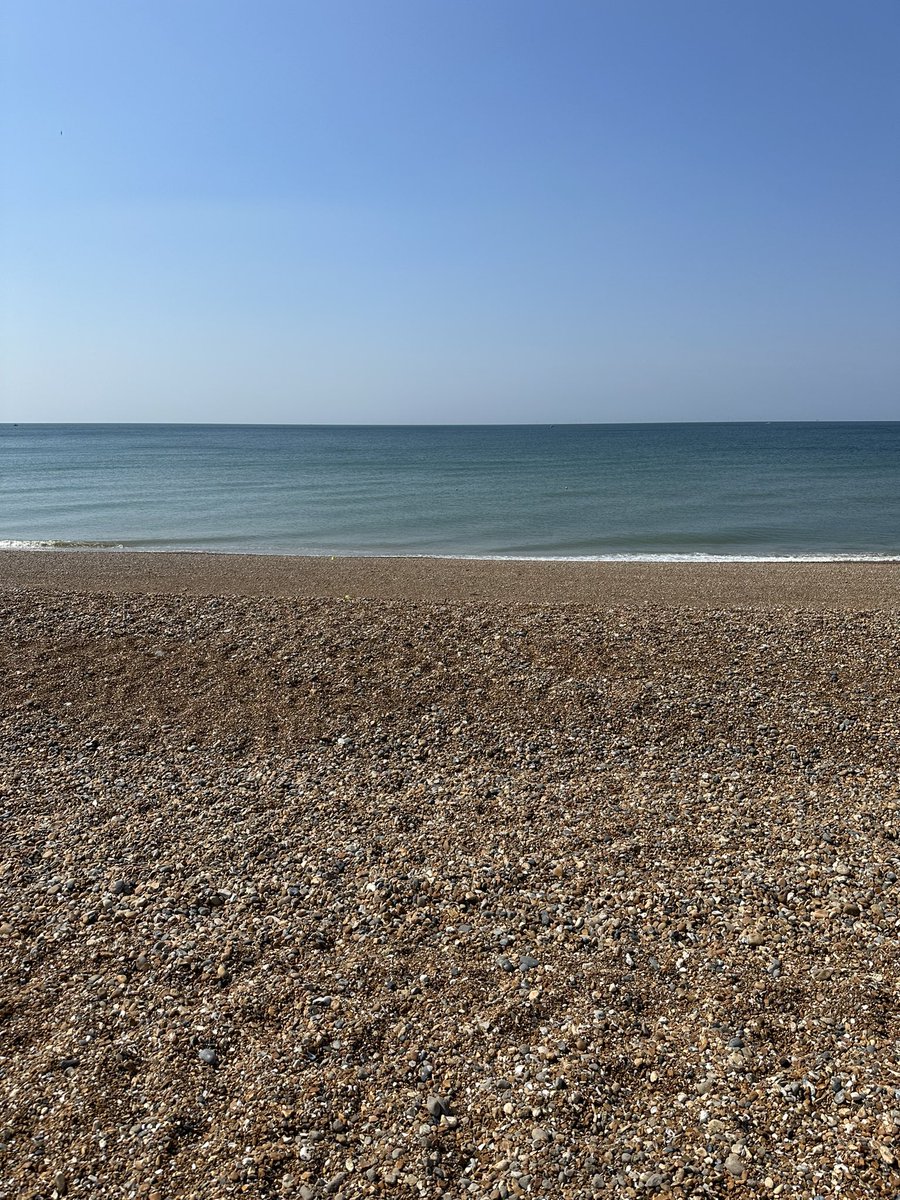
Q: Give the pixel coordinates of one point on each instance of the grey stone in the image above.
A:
(209, 1057)
(734, 1165)
(438, 1106)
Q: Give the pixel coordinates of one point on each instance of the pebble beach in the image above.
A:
(350, 878)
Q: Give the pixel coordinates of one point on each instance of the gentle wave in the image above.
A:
(55, 544)
(685, 558)
(697, 557)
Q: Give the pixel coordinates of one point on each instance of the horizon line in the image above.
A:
(433, 424)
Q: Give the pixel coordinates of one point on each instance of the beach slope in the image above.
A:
(497, 881)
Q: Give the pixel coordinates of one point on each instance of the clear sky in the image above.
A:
(449, 210)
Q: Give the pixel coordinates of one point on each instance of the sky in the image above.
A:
(448, 211)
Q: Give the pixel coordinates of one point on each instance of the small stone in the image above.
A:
(527, 963)
(734, 1165)
(209, 1057)
(540, 1136)
(437, 1106)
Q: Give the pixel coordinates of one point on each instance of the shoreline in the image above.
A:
(834, 584)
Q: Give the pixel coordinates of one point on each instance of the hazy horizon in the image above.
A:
(455, 424)
(418, 213)
(425, 425)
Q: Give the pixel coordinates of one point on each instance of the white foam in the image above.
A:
(677, 558)
(696, 557)
(13, 544)
(24, 544)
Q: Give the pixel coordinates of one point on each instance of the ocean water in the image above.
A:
(679, 491)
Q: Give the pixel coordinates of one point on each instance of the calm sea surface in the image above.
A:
(567, 491)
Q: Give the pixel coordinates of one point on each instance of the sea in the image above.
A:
(711, 492)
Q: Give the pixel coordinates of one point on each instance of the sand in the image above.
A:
(415, 878)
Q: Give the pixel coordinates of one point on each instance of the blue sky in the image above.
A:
(449, 210)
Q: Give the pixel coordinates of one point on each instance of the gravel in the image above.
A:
(321, 897)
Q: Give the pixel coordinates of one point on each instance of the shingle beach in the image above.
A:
(348, 878)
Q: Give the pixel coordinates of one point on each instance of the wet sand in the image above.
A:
(869, 585)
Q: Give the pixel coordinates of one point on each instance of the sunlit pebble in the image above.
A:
(298, 841)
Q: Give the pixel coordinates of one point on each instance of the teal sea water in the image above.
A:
(780, 490)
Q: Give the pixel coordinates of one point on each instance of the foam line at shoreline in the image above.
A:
(648, 557)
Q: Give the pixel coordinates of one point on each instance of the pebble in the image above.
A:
(379, 904)
(734, 1165)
